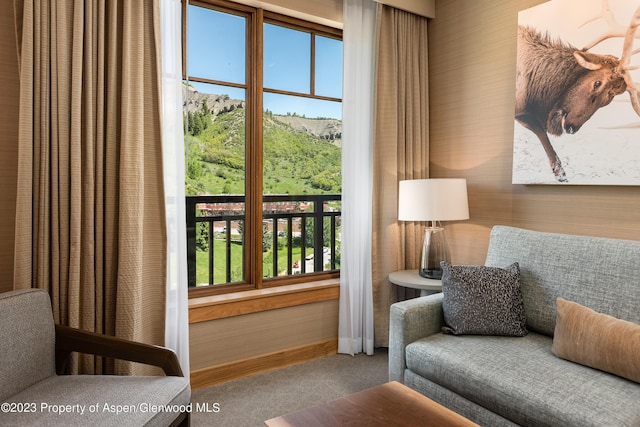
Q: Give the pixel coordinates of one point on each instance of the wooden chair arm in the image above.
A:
(69, 340)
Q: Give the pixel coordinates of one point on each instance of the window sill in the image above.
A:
(214, 307)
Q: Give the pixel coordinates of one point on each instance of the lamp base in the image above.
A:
(434, 250)
(435, 274)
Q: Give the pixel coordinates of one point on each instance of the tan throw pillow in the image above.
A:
(600, 341)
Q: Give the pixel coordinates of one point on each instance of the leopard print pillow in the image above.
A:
(479, 300)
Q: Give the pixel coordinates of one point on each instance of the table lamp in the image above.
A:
(433, 200)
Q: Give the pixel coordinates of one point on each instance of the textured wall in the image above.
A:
(472, 61)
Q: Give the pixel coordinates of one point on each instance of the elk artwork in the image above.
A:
(559, 87)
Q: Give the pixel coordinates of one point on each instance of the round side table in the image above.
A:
(411, 279)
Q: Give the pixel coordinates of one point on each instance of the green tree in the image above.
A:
(195, 170)
(267, 239)
(202, 236)
(205, 115)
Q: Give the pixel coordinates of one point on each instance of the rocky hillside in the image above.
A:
(328, 129)
(217, 104)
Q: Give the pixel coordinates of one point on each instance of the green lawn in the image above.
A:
(219, 276)
(202, 262)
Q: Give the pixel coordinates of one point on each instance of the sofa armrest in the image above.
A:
(409, 321)
(69, 340)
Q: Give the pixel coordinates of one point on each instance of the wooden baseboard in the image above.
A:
(213, 375)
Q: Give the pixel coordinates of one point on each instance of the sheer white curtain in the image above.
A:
(355, 331)
(176, 320)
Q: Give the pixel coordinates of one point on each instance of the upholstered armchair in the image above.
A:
(34, 390)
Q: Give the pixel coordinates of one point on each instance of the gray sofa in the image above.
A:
(33, 350)
(507, 381)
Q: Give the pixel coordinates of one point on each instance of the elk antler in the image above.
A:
(615, 29)
(630, 33)
(627, 52)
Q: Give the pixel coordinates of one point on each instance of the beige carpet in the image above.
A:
(250, 401)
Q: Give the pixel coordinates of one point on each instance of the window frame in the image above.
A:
(255, 17)
(314, 30)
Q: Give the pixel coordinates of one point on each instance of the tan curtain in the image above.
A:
(401, 151)
(90, 206)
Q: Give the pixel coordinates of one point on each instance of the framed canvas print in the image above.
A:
(577, 114)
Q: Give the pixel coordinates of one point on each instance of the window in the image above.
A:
(263, 112)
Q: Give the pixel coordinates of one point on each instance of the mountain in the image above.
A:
(328, 129)
(217, 104)
(300, 155)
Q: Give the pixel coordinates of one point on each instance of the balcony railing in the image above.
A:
(309, 224)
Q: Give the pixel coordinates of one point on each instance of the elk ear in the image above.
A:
(583, 60)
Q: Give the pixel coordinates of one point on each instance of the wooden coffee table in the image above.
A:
(390, 404)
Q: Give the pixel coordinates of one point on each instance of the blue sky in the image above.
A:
(217, 52)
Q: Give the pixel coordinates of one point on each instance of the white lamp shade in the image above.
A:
(436, 199)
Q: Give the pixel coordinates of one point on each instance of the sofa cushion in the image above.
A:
(599, 273)
(482, 300)
(27, 335)
(521, 380)
(593, 339)
(102, 400)
(455, 402)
